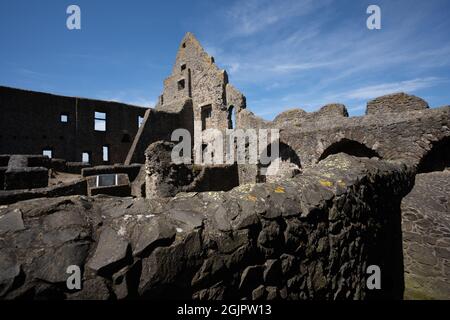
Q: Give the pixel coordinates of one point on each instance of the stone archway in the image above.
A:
(437, 158)
(350, 147)
(286, 166)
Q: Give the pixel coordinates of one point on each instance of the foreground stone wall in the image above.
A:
(310, 237)
(426, 237)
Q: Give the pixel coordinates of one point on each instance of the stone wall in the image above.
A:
(159, 125)
(396, 102)
(297, 116)
(406, 137)
(311, 237)
(131, 170)
(164, 178)
(204, 83)
(31, 122)
(78, 187)
(25, 172)
(426, 237)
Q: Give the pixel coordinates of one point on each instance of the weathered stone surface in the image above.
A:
(52, 266)
(272, 272)
(11, 221)
(93, 289)
(306, 232)
(9, 270)
(111, 252)
(397, 102)
(259, 293)
(146, 235)
(166, 266)
(298, 116)
(426, 237)
(299, 256)
(164, 178)
(250, 278)
(78, 187)
(126, 281)
(406, 135)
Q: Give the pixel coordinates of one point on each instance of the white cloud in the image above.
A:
(129, 97)
(297, 53)
(370, 92)
(299, 66)
(252, 16)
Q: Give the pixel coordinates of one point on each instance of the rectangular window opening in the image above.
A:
(47, 152)
(140, 121)
(106, 180)
(85, 157)
(105, 153)
(64, 118)
(206, 115)
(100, 121)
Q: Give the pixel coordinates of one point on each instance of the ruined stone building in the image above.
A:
(75, 129)
(352, 192)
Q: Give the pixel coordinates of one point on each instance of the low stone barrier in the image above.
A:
(73, 188)
(309, 237)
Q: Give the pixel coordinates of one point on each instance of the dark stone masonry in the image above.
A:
(91, 184)
(308, 238)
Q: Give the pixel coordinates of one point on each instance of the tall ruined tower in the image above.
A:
(197, 90)
(195, 76)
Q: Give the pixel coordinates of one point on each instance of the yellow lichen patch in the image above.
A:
(326, 183)
(279, 189)
(251, 198)
(341, 183)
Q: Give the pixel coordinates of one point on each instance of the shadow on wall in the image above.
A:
(350, 147)
(437, 159)
(289, 166)
(385, 249)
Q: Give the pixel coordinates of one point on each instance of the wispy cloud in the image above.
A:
(286, 68)
(301, 55)
(131, 97)
(252, 16)
(25, 72)
(370, 92)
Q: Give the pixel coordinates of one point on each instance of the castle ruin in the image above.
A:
(91, 183)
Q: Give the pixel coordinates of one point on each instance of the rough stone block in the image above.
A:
(26, 178)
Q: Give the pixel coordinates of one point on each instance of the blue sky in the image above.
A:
(280, 54)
